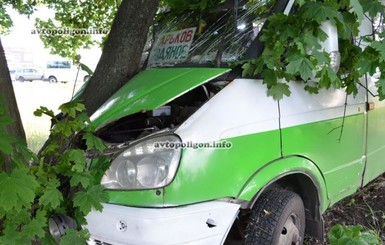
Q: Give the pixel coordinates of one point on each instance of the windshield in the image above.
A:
(213, 37)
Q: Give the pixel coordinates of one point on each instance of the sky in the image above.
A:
(20, 37)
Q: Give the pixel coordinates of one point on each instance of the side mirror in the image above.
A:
(330, 45)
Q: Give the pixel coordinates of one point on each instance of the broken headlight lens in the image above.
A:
(151, 163)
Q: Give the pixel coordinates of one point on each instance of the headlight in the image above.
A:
(147, 164)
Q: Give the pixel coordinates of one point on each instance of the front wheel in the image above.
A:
(278, 217)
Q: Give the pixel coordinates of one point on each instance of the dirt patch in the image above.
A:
(366, 208)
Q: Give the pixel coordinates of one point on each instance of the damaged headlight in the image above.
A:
(151, 163)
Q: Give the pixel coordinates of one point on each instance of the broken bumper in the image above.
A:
(204, 223)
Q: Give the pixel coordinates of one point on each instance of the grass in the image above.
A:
(35, 140)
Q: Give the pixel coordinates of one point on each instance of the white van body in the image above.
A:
(64, 71)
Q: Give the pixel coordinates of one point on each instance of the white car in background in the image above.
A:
(63, 71)
(28, 74)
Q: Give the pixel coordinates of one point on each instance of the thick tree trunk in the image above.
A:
(121, 53)
(8, 98)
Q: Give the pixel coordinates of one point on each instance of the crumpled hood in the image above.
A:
(151, 89)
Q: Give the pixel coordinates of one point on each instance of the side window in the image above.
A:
(59, 64)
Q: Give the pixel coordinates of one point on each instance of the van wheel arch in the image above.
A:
(306, 188)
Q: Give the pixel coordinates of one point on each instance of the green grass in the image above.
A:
(35, 140)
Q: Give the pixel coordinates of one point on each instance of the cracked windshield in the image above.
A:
(213, 37)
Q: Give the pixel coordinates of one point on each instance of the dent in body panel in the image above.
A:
(312, 128)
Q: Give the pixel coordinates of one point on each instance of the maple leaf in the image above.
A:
(51, 197)
(302, 66)
(278, 90)
(74, 237)
(89, 198)
(17, 189)
(94, 142)
(84, 179)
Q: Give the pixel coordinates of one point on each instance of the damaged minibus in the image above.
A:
(201, 155)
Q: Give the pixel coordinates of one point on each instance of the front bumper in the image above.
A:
(203, 223)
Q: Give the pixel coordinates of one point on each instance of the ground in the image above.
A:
(30, 96)
(367, 207)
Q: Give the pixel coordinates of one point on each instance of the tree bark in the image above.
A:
(8, 98)
(122, 52)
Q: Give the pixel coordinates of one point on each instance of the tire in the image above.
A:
(52, 79)
(21, 79)
(278, 218)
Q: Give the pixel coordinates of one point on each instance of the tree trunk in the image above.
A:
(8, 98)
(122, 52)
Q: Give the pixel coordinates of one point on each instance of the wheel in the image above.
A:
(278, 218)
(52, 79)
(21, 79)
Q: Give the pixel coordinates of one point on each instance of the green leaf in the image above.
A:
(35, 228)
(10, 234)
(84, 179)
(94, 142)
(357, 8)
(370, 238)
(6, 142)
(248, 69)
(71, 108)
(373, 7)
(74, 237)
(300, 2)
(51, 197)
(311, 89)
(379, 46)
(381, 88)
(367, 64)
(76, 158)
(66, 128)
(86, 69)
(277, 20)
(44, 110)
(23, 153)
(320, 12)
(302, 66)
(269, 77)
(17, 190)
(278, 90)
(89, 198)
